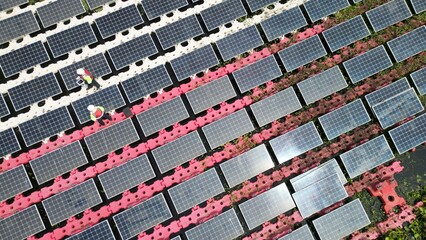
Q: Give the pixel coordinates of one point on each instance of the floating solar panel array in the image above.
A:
(419, 79)
(388, 14)
(8, 142)
(154, 9)
(418, 5)
(16, 26)
(59, 10)
(4, 110)
(222, 13)
(13, 182)
(318, 9)
(255, 5)
(387, 92)
(22, 224)
(99, 231)
(6, 4)
(410, 134)
(118, 21)
(408, 44)
(299, 234)
(283, 23)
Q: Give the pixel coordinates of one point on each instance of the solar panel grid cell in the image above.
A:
(8, 142)
(387, 92)
(318, 9)
(154, 9)
(118, 21)
(4, 110)
(6, 4)
(222, 13)
(101, 231)
(14, 182)
(16, 26)
(283, 23)
(59, 10)
(408, 44)
(22, 224)
(388, 14)
(419, 79)
(410, 134)
(298, 234)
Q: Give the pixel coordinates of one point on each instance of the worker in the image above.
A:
(98, 113)
(87, 77)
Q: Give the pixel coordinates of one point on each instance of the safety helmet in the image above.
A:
(91, 108)
(80, 71)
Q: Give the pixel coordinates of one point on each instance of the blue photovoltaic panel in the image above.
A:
(410, 134)
(255, 5)
(296, 142)
(408, 44)
(4, 110)
(101, 231)
(299, 234)
(18, 25)
(302, 53)
(388, 91)
(419, 5)
(388, 14)
(179, 31)
(419, 79)
(344, 119)
(318, 9)
(22, 224)
(97, 3)
(377, 60)
(118, 21)
(8, 142)
(222, 13)
(283, 23)
(14, 182)
(154, 8)
(6, 4)
(59, 10)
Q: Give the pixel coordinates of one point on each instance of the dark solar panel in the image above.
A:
(97, 3)
(101, 231)
(154, 8)
(410, 134)
(222, 13)
(408, 44)
(388, 14)
(179, 31)
(4, 110)
(318, 9)
(118, 21)
(16, 26)
(59, 10)
(14, 182)
(22, 224)
(8, 142)
(419, 5)
(255, 5)
(283, 23)
(6, 4)
(419, 79)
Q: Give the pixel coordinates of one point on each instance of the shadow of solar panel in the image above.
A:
(118, 21)
(142, 217)
(283, 23)
(110, 98)
(296, 142)
(101, 231)
(22, 224)
(97, 3)
(154, 9)
(388, 14)
(179, 31)
(18, 25)
(266, 206)
(23, 58)
(58, 162)
(14, 182)
(34, 91)
(255, 5)
(59, 10)
(4, 110)
(418, 5)
(6, 4)
(8, 142)
(222, 13)
(239, 42)
(350, 217)
(408, 44)
(46, 125)
(302, 53)
(419, 79)
(386, 92)
(318, 9)
(410, 134)
(298, 234)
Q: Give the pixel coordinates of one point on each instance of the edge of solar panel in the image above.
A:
(335, 9)
(16, 147)
(26, 225)
(241, 11)
(302, 233)
(14, 4)
(257, 6)
(116, 13)
(31, 29)
(21, 182)
(175, 7)
(407, 42)
(419, 79)
(272, 34)
(384, 6)
(3, 106)
(98, 3)
(418, 7)
(421, 119)
(95, 232)
(50, 23)
(387, 91)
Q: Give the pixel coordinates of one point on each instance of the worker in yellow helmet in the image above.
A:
(98, 113)
(87, 77)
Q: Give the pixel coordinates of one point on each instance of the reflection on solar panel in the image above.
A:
(4, 110)
(388, 91)
(276, 106)
(59, 10)
(246, 165)
(322, 85)
(99, 231)
(419, 79)
(6, 4)
(110, 98)
(222, 13)
(388, 14)
(410, 134)
(258, 4)
(239, 42)
(46, 125)
(96, 64)
(146, 83)
(118, 21)
(283, 23)
(132, 51)
(58, 162)
(34, 91)
(22, 224)
(142, 217)
(318, 9)
(367, 156)
(408, 44)
(162, 116)
(298, 234)
(16, 26)
(257, 73)
(179, 31)
(266, 206)
(228, 128)
(302, 53)
(154, 9)
(377, 60)
(194, 62)
(223, 226)
(111, 138)
(23, 58)
(346, 33)
(71, 202)
(13, 182)
(97, 3)
(349, 218)
(178, 151)
(319, 195)
(296, 142)
(419, 5)
(8, 142)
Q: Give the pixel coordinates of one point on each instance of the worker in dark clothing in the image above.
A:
(85, 76)
(98, 113)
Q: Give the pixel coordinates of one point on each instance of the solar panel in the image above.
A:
(302, 53)
(222, 13)
(126, 176)
(322, 85)
(8, 142)
(239, 42)
(276, 106)
(176, 238)
(342, 221)
(255, 5)
(318, 9)
(419, 79)
(162, 116)
(96, 64)
(300, 233)
(58, 162)
(388, 91)
(266, 206)
(97, 3)
(22, 224)
(34, 91)
(118, 21)
(388, 14)
(296, 142)
(111, 138)
(110, 98)
(408, 44)
(410, 134)
(71, 202)
(319, 195)
(346, 33)
(418, 5)
(228, 128)
(142, 217)
(23, 58)
(59, 10)
(178, 151)
(4, 110)
(6, 4)
(257, 73)
(18, 25)
(155, 9)
(223, 226)
(246, 165)
(194, 62)
(46, 125)
(14, 182)
(283, 23)
(99, 231)
(132, 51)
